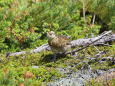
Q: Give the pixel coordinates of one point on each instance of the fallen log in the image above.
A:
(102, 38)
(92, 41)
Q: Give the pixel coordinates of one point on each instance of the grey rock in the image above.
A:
(77, 78)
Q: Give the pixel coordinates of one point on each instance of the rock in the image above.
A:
(35, 66)
(78, 78)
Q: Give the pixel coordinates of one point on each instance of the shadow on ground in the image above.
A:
(49, 57)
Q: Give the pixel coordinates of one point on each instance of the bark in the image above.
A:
(105, 37)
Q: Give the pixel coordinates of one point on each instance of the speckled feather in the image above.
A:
(59, 44)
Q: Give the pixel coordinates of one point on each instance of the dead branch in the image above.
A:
(90, 42)
(80, 42)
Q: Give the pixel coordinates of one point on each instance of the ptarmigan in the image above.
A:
(58, 43)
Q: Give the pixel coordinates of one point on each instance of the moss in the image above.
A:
(93, 82)
(41, 74)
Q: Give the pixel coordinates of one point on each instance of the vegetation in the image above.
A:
(104, 80)
(23, 26)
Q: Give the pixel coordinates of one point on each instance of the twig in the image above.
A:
(97, 49)
(93, 19)
(105, 44)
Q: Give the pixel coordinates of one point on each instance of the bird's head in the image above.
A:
(51, 34)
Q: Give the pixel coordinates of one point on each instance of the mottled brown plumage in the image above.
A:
(58, 43)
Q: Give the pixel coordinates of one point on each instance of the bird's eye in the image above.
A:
(50, 33)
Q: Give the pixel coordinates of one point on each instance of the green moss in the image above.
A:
(42, 74)
(93, 82)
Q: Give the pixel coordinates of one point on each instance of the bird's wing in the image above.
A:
(54, 43)
(59, 42)
(65, 40)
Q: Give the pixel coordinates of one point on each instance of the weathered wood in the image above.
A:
(79, 42)
(92, 41)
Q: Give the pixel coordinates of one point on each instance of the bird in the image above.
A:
(58, 43)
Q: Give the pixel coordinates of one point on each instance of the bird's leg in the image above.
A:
(63, 54)
(54, 57)
(73, 54)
